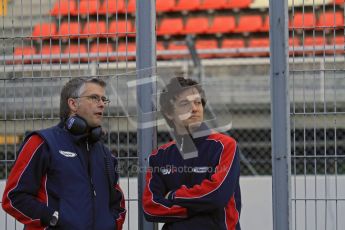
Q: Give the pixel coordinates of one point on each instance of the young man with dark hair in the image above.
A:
(64, 177)
(192, 182)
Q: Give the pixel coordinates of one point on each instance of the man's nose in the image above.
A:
(194, 106)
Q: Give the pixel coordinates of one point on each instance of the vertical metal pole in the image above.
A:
(146, 66)
(280, 108)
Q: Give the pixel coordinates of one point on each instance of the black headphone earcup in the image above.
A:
(76, 125)
(96, 134)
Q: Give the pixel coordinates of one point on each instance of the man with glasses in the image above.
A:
(64, 177)
(193, 181)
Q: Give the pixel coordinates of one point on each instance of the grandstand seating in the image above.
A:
(64, 7)
(164, 5)
(235, 4)
(206, 45)
(212, 4)
(44, 30)
(303, 21)
(112, 7)
(75, 53)
(249, 23)
(69, 30)
(49, 51)
(222, 24)
(131, 6)
(231, 24)
(120, 28)
(187, 5)
(196, 25)
(259, 43)
(24, 52)
(331, 20)
(87, 7)
(94, 29)
(170, 26)
(102, 50)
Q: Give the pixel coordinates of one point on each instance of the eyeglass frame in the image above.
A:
(96, 98)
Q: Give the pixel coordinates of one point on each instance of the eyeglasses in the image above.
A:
(96, 99)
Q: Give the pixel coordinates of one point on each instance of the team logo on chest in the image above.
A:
(67, 153)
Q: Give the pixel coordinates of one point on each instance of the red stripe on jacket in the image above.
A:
(121, 219)
(231, 214)
(25, 156)
(154, 208)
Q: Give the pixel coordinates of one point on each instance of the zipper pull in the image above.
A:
(87, 145)
(93, 187)
(181, 148)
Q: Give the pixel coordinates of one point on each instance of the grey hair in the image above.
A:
(73, 89)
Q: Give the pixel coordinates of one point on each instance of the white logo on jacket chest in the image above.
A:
(67, 154)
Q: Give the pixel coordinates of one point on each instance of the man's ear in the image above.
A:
(73, 105)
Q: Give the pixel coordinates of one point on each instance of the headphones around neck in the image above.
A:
(78, 126)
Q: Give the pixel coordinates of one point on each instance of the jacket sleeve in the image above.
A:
(156, 207)
(25, 196)
(215, 192)
(119, 199)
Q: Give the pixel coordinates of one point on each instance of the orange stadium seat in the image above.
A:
(102, 51)
(338, 40)
(187, 5)
(165, 5)
(196, 25)
(294, 41)
(259, 43)
(94, 29)
(237, 4)
(315, 41)
(88, 7)
(170, 26)
(131, 5)
(331, 20)
(24, 52)
(231, 43)
(303, 21)
(44, 31)
(124, 50)
(315, 45)
(112, 7)
(339, 2)
(49, 51)
(74, 52)
(222, 24)
(120, 28)
(64, 7)
(249, 23)
(69, 30)
(176, 47)
(212, 4)
(205, 45)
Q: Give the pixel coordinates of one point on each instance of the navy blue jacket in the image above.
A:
(203, 191)
(57, 171)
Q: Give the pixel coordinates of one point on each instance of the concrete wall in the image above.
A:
(309, 207)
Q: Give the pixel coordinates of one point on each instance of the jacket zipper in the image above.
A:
(92, 185)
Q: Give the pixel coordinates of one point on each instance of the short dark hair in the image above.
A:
(72, 89)
(172, 90)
